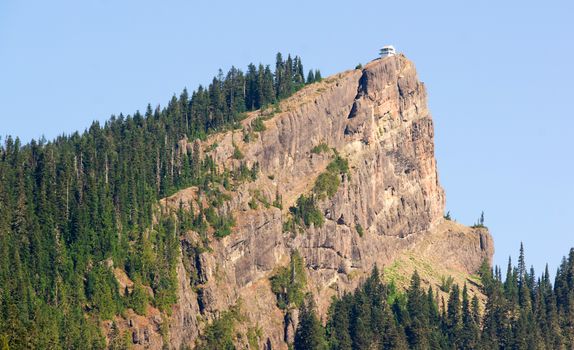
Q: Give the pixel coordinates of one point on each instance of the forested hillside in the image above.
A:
(521, 312)
(74, 207)
(204, 224)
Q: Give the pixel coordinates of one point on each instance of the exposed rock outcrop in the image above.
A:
(378, 119)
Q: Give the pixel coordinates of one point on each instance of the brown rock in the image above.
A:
(378, 119)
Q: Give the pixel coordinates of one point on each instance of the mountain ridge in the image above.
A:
(211, 223)
(377, 119)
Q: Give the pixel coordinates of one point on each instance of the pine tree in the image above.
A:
(338, 325)
(288, 88)
(310, 77)
(309, 334)
(521, 266)
(279, 76)
(267, 88)
(361, 331)
(469, 330)
(252, 93)
(475, 310)
(393, 336)
(436, 338)
(453, 320)
(138, 297)
(417, 329)
(511, 283)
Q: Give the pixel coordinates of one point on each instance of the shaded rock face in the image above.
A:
(184, 321)
(378, 119)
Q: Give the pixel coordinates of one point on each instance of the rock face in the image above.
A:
(378, 119)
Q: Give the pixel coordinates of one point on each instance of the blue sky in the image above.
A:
(499, 76)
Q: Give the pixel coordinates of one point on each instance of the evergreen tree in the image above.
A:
(138, 297)
(279, 76)
(417, 329)
(267, 89)
(76, 206)
(511, 283)
(338, 325)
(309, 334)
(310, 77)
(393, 336)
(453, 320)
(361, 321)
(469, 330)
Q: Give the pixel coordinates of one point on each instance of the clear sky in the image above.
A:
(499, 76)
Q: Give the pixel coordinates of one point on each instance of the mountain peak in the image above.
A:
(385, 210)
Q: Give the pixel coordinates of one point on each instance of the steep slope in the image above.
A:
(388, 211)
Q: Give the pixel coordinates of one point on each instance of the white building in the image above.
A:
(387, 51)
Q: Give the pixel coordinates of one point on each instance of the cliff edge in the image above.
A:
(387, 210)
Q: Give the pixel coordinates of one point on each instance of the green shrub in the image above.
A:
(480, 222)
(446, 283)
(289, 283)
(211, 215)
(359, 229)
(220, 334)
(212, 147)
(223, 226)
(320, 148)
(253, 336)
(276, 107)
(257, 125)
(253, 203)
(237, 153)
(260, 197)
(138, 298)
(306, 212)
(217, 198)
(243, 173)
(247, 136)
(165, 293)
(339, 165)
(241, 116)
(254, 171)
(289, 225)
(326, 184)
(102, 292)
(278, 202)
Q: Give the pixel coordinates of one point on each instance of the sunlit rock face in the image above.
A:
(378, 119)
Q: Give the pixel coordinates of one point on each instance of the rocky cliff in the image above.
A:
(387, 211)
